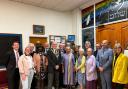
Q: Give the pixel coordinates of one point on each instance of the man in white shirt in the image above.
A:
(12, 58)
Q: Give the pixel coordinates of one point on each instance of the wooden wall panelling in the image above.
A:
(35, 39)
(112, 32)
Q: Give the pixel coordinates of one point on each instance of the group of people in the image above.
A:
(67, 67)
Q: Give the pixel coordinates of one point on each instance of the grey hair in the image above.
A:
(81, 49)
(88, 42)
(117, 45)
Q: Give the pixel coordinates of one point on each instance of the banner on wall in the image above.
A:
(111, 10)
(118, 10)
(88, 17)
(102, 12)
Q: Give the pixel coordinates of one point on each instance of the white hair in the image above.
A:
(117, 45)
(81, 49)
(31, 45)
(88, 43)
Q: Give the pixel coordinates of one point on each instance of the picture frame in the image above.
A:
(57, 38)
(71, 38)
(38, 29)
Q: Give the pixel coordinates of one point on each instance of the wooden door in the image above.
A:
(113, 32)
(124, 29)
(108, 33)
(36, 39)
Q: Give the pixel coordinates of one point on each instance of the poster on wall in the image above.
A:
(57, 38)
(118, 10)
(102, 12)
(88, 35)
(88, 17)
(111, 10)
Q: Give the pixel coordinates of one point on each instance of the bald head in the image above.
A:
(89, 49)
(68, 49)
(105, 43)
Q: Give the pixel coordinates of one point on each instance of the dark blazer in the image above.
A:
(60, 57)
(95, 53)
(10, 62)
(12, 71)
(52, 61)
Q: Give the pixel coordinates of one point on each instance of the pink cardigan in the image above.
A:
(23, 65)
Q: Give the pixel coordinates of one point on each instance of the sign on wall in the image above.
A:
(102, 12)
(106, 11)
(118, 10)
(111, 10)
(88, 17)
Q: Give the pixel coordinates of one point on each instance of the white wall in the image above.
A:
(77, 26)
(90, 3)
(19, 18)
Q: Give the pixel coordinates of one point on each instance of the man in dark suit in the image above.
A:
(53, 66)
(98, 47)
(60, 57)
(12, 58)
(46, 48)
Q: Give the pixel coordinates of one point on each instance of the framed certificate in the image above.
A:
(57, 38)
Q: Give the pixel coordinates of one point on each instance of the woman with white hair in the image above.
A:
(91, 73)
(80, 68)
(26, 68)
(87, 44)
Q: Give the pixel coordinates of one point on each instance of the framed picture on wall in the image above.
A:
(39, 29)
(71, 38)
(63, 39)
(57, 38)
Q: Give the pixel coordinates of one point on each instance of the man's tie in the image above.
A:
(17, 58)
(46, 49)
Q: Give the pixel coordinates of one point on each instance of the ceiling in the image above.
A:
(59, 5)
